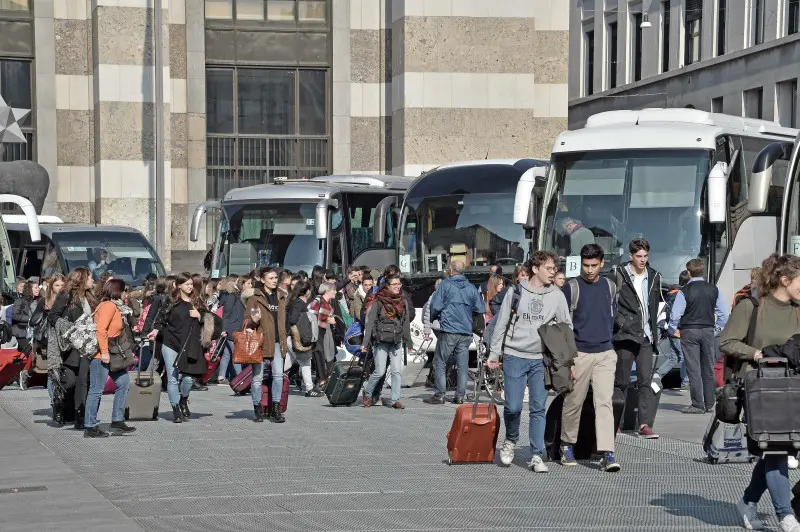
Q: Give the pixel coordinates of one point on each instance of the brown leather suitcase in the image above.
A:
(473, 436)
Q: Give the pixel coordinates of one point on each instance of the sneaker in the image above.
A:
(121, 427)
(95, 432)
(365, 400)
(647, 433)
(537, 465)
(223, 382)
(750, 519)
(434, 400)
(793, 463)
(685, 385)
(692, 410)
(458, 400)
(568, 456)
(609, 464)
(789, 524)
(507, 452)
(315, 393)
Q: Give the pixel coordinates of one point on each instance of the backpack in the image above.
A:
(388, 330)
(575, 292)
(306, 332)
(743, 293)
(38, 327)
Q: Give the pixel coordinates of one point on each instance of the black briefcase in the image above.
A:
(772, 407)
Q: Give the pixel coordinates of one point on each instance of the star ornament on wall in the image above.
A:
(9, 123)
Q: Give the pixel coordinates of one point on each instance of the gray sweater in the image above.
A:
(537, 306)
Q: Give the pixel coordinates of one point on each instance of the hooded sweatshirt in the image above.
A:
(537, 306)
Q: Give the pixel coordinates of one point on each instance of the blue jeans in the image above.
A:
(145, 356)
(449, 345)
(255, 387)
(394, 354)
(771, 473)
(225, 358)
(173, 391)
(519, 373)
(98, 373)
(277, 375)
(672, 357)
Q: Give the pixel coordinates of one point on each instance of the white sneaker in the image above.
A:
(749, 513)
(790, 524)
(538, 465)
(793, 463)
(507, 452)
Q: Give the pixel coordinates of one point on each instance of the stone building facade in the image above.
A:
(255, 89)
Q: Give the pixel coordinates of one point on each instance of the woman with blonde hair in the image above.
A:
(495, 285)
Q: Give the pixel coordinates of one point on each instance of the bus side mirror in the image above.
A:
(761, 178)
(382, 210)
(197, 218)
(717, 193)
(530, 189)
(321, 218)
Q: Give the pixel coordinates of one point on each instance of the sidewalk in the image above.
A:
(39, 492)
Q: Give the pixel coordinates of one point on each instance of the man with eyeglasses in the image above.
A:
(454, 303)
(517, 339)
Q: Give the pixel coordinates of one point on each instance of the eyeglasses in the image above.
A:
(551, 269)
(395, 285)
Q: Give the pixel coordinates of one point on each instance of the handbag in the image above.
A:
(247, 345)
(82, 335)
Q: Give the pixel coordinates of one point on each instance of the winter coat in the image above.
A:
(372, 316)
(628, 324)
(187, 336)
(358, 303)
(232, 308)
(257, 298)
(159, 304)
(20, 316)
(454, 303)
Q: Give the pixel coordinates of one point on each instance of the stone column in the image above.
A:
(45, 106)
(124, 114)
(196, 114)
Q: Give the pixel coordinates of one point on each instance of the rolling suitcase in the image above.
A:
(473, 435)
(144, 394)
(584, 448)
(241, 383)
(266, 393)
(344, 383)
(773, 426)
(12, 362)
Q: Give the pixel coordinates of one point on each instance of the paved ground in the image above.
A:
(341, 469)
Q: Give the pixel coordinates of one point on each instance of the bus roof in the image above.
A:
(485, 174)
(664, 128)
(50, 229)
(20, 219)
(320, 187)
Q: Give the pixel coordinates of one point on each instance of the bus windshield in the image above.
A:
(126, 255)
(281, 235)
(612, 197)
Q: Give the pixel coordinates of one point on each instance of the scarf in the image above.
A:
(393, 305)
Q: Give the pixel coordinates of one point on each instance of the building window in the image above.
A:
(665, 15)
(279, 11)
(786, 99)
(794, 17)
(693, 29)
(636, 47)
(264, 123)
(754, 103)
(758, 22)
(14, 5)
(588, 54)
(716, 105)
(722, 15)
(612, 55)
(16, 90)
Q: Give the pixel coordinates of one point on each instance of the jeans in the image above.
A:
(698, 348)
(673, 356)
(627, 352)
(173, 391)
(449, 345)
(519, 373)
(255, 387)
(98, 373)
(277, 375)
(771, 473)
(394, 353)
(305, 367)
(145, 357)
(225, 359)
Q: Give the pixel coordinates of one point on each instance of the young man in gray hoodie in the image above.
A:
(540, 302)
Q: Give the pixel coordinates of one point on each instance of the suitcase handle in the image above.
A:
(478, 380)
(152, 365)
(772, 360)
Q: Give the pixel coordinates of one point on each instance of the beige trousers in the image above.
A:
(597, 369)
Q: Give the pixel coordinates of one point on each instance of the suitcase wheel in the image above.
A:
(449, 461)
(712, 460)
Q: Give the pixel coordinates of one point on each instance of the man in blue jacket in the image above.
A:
(454, 303)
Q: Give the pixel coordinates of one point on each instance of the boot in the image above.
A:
(259, 417)
(79, 414)
(276, 416)
(176, 413)
(184, 404)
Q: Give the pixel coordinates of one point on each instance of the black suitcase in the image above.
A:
(772, 392)
(586, 445)
(344, 383)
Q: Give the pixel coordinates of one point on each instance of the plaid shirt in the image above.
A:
(323, 310)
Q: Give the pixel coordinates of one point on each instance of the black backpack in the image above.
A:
(388, 330)
(38, 322)
(304, 328)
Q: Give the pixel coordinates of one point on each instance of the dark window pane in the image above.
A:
(219, 151)
(280, 10)
(311, 11)
(282, 153)
(15, 86)
(313, 153)
(219, 101)
(266, 101)
(312, 102)
(220, 181)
